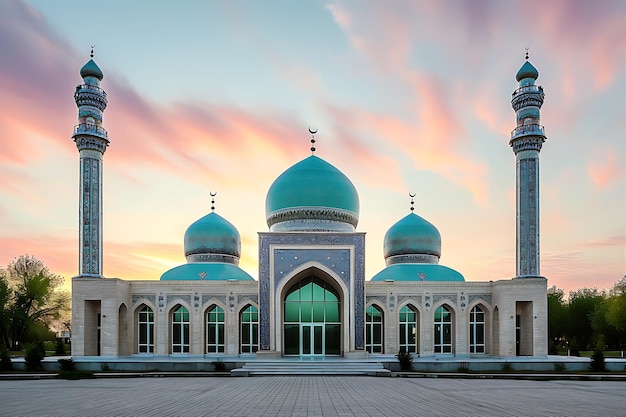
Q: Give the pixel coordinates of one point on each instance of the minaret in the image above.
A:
(91, 140)
(526, 141)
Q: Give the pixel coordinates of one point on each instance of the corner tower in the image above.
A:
(91, 140)
(526, 141)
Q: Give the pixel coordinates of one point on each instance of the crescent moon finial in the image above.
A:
(213, 194)
(91, 54)
(526, 52)
(312, 131)
(412, 195)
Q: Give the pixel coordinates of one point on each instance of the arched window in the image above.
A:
(443, 330)
(408, 329)
(145, 329)
(180, 330)
(249, 320)
(477, 330)
(215, 330)
(373, 329)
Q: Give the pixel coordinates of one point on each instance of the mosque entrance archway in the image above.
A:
(312, 319)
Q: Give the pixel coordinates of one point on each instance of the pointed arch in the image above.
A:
(180, 328)
(122, 331)
(318, 327)
(444, 329)
(479, 318)
(408, 328)
(374, 328)
(215, 336)
(249, 329)
(144, 336)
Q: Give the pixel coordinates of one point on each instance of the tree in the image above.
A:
(557, 318)
(583, 304)
(32, 299)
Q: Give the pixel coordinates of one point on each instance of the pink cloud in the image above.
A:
(617, 241)
(607, 171)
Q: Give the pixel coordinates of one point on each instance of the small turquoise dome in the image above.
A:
(527, 71)
(91, 69)
(206, 271)
(418, 272)
(212, 234)
(412, 235)
(312, 189)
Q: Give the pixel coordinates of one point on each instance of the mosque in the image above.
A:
(312, 298)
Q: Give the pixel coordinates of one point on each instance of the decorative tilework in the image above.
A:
(439, 297)
(416, 300)
(207, 297)
(485, 297)
(136, 297)
(378, 299)
(331, 258)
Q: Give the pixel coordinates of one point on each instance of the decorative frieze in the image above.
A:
(484, 297)
(416, 300)
(148, 297)
(207, 297)
(439, 297)
(376, 299)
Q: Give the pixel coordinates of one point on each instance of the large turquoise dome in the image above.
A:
(412, 239)
(312, 195)
(212, 235)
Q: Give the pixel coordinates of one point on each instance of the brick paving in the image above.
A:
(310, 396)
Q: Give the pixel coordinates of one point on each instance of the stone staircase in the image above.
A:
(311, 367)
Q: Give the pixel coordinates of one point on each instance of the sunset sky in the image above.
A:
(408, 96)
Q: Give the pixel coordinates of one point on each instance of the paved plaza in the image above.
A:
(311, 396)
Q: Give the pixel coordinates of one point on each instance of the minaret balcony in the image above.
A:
(528, 89)
(528, 130)
(90, 95)
(91, 129)
(529, 95)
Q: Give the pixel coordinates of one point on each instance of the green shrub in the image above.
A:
(597, 361)
(559, 367)
(405, 359)
(67, 364)
(219, 366)
(33, 357)
(105, 367)
(5, 361)
(60, 347)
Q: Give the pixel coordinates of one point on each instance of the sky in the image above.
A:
(407, 96)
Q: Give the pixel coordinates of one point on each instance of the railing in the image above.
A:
(91, 129)
(89, 87)
(528, 89)
(520, 130)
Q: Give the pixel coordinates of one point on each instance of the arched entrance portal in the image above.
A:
(312, 319)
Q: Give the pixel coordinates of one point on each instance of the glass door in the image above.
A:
(312, 340)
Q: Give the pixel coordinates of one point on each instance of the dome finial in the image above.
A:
(212, 200)
(527, 53)
(312, 131)
(91, 54)
(412, 201)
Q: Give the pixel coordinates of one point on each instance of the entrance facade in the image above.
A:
(312, 319)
